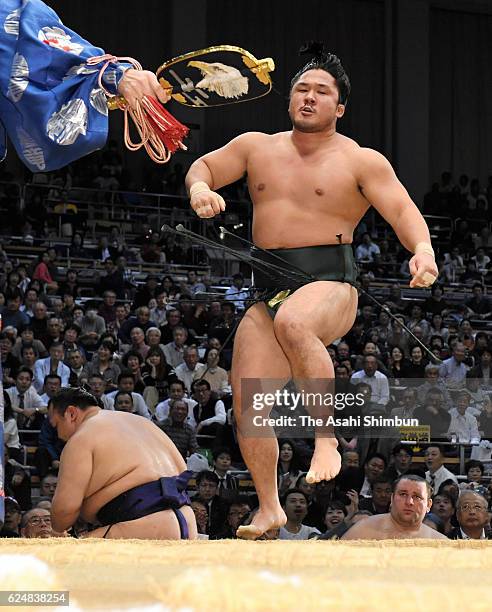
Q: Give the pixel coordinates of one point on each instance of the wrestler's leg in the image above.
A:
(257, 354)
(158, 526)
(311, 319)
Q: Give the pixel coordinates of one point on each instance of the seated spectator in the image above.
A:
(182, 434)
(52, 364)
(238, 511)
(481, 261)
(70, 340)
(397, 365)
(479, 306)
(473, 518)
(335, 520)
(417, 319)
(176, 391)
(444, 506)
(11, 439)
(435, 304)
(126, 382)
(27, 339)
(402, 455)
(207, 487)
(295, 505)
(221, 327)
(36, 523)
(153, 338)
(102, 363)
(52, 384)
(11, 313)
(137, 342)
(27, 406)
(107, 310)
(28, 357)
(463, 426)
(341, 528)
(379, 502)
(174, 351)
(173, 319)
(54, 327)
(190, 370)
(31, 298)
(431, 382)
(215, 375)
(200, 509)
(453, 370)
(398, 336)
(408, 405)
(76, 362)
(222, 464)
(375, 379)
(76, 249)
(474, 471)
(437, 328)
(416, 366)
(236, 293)
(374, 466)
(39, 322)
(48, 486)
(156, 376)
(13, 515)
(367, 249)
(436, 473)
(124, 402)
(350, 459)
(42, 273)
(133, 362)
(159, 311)
(10, 365)
(92, 326)
(97, 386)
(47, 458)
(289, 466)
(209, 412)
(141, 320)
(434, 413)
(194, 286)
(147, 292)
(71, 284)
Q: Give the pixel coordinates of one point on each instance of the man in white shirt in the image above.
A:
(366, 250)
(176, 392)
(126, 383)
(174, 351)
(158, 314)
(375, 379)
(190, 370)
(295, 505)
(437, 473)
(463, 421)
(23, 397)
(210, 412)
(51, 365)
(236, 294)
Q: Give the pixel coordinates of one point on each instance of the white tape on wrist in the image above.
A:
(424, 247)
(199, 187)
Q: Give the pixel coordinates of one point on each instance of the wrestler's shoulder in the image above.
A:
(429, 533)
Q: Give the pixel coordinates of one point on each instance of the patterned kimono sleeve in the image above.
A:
(51, 105)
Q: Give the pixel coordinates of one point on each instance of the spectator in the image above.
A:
(107, 310)
(215, 375)
(379, 502)
(158, 313)
(148, 292)
(209, 412)
(174, 351)
(13, 515)
(435, 304)
(193, 285)
(24, 400)
(156, 376)
(27, 339)
(408, 405)
(207, 487)
(47, 458)
(39, 322)
(91, 326)
(137, 344)
(52, 384)
(153, 338)
(36, 523)
(126, 383)
(48, 485)
(200, 510)
(236, 294)
(102, 363)
(289, 466)
(190, 370)
(176, 391)
(238, 511)
(11, 439)
(402, 455)
(436, 473)
(479, 306)
(374, 467)
(431, 382)
(222, 464)
(133, 362)
(474, 470)
(76, 363)
(453, 370)
(172, 320)
(444, 505)
(398, 365)
(463, 426)
(182, 434)
(124, 402)
(434, 413)
(43, 274)
(52, 364)
(10, 365)
(473, 518)
(141, 320)
(367, 249)
(28, 356)
(97, 386)
(375, 379)
(295, 505)
(11, 314)
(54, 327)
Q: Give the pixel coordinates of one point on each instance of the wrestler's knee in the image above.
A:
(291, 330)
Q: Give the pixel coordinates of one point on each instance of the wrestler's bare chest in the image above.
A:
(303, 199)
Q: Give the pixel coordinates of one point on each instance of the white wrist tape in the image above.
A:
(199, 187)
(424, 247)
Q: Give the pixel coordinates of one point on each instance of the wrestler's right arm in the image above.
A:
(216, 169)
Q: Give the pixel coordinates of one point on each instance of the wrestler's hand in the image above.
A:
(136, 84)
(205, 202)
(423, 269)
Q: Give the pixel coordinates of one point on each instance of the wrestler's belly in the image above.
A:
(158, 526)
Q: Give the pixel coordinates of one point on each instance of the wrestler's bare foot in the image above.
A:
(263, 521)
(326, 461)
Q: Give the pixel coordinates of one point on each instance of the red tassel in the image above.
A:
(164, 125)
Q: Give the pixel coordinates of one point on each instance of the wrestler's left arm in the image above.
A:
(75, 472)
(381, 187)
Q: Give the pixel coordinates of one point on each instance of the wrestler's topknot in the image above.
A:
(323, 60)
